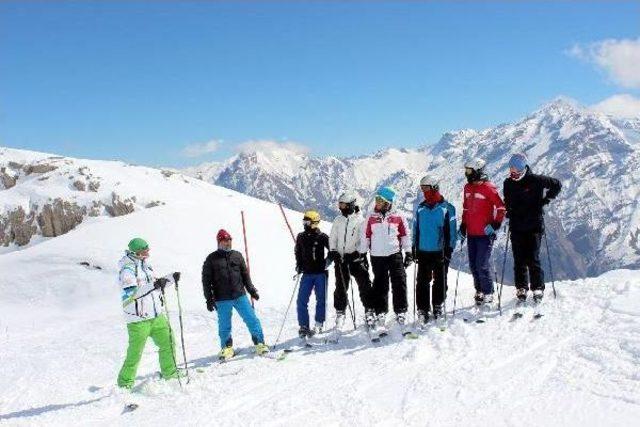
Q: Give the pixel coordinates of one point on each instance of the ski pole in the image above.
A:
(246, 250)
(546, 242)
(455, 294)
(504, 264)
(415, 292)
(287, 222)
(344, 288)
(444, 285)
(296, 282)
(184, 351)
(171, 341)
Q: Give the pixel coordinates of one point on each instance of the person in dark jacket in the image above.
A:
(311, 262)
(525, 195)
(224, 281)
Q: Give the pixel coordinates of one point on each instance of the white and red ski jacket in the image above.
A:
(385, 235)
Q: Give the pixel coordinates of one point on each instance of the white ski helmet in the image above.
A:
(431, 181)
(348, 197)
(477, 164)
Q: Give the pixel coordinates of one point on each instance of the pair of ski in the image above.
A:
(378, 334)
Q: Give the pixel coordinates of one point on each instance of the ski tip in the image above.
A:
(130, 407)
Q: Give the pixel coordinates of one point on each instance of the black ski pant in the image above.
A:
(387, 268)
(526, 260)
(432, 266)
(358, 267)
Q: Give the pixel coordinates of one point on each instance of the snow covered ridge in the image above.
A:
(46, 195)
(593, 227)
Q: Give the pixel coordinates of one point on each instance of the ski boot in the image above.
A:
(537, 296)
(401, 318)
(318, 328)
(370, 319)
(479, 298)
(521, 294)
(423, 319)
(226, 353)
(262, 349)
(438, 311)
(340, 318)
(381, 328)
(304, 332)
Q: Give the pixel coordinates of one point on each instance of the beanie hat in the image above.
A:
(223, 235)
(386, 193)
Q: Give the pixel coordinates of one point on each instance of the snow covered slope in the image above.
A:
(62, 339)
(594, 226)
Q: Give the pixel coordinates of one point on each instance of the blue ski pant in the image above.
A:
(246, 312)
(479, 248)
(309, 283)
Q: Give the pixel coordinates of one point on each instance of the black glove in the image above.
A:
(546, 201)
(359, 257)
(496, 225)
(408, 259)
(298, 269)
(254, 294)
(462, 231)
(176, 276)
(447, 254)
(334, 256)
(160, 283)
(211, 305)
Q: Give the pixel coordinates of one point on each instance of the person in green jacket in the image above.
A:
(143, 306)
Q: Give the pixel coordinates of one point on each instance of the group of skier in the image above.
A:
(392, 246)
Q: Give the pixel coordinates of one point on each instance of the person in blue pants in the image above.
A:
(311, 262)
(225, 282)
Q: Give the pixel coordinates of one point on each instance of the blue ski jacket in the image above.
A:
(434, 227)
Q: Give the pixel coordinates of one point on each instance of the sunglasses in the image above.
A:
(468, 171)
(380, 199)
(429, 187)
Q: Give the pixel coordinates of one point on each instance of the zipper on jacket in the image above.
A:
(344, 243)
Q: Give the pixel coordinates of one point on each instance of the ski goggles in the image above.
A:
(429, 187)
(309, 222)
(380, 199)
(468, 171)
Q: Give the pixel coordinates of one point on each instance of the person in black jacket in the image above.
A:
(311, 262)
(224, 280)
(525, 195)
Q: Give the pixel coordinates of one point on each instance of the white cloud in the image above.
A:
(620, 59)
(201, 149)
(267, 146)
(623, 105)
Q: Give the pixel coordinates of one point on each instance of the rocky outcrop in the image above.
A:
(79, 185)
(94, 186)
(39, 168)
(60, 217)
(120, 207)
(17, 227)
(7, 180)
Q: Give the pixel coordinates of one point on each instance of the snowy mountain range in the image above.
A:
(594, 225)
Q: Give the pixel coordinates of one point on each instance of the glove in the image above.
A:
(496, 225)
(447, 254)
(462, 232)
(359, 257)
(414, 254)
(211, 305)
(254, 294)
(176, 276)
(160, 283)
(546, 201)
(335, 256)
(489, 231)
(408, 259)
(298, 269)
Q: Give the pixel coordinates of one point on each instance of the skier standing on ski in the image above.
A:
(344, 244)
(225, 282)
(434, 239)
(386, 235)
(312, 263)
(525, 195)
(143, 303)
(482, 215)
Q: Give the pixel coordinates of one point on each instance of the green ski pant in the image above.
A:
(160, 332)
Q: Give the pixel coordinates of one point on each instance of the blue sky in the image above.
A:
(142, 81)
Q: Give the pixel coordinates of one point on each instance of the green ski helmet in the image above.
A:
(138, 244)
